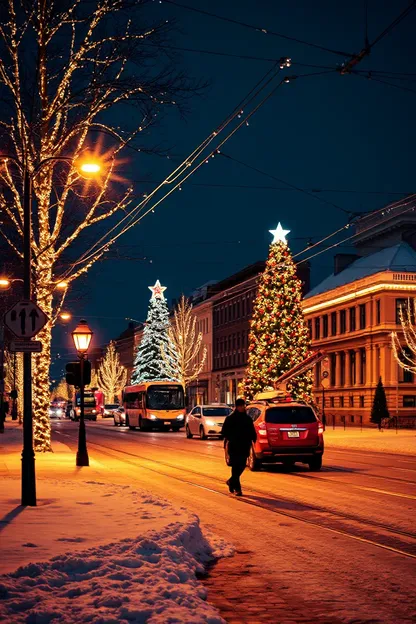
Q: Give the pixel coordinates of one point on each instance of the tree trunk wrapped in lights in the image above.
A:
(14, 378)
(279, 337)
(56, 112)
(405, 354)
(112, 376)
(184, 356)
(149, 363)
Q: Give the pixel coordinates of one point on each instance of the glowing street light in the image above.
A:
(88, 166)
(65, 316)
(62, 285)
(81, 336)
(4, 283)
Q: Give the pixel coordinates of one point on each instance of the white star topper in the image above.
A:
(157, 290)
(279, 234)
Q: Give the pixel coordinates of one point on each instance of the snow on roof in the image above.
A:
(400, 257)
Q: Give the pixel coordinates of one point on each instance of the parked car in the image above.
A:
(287, 432)
(119, 416)
(56, 411)
(68, 409)
(109, 409)
(206, 420)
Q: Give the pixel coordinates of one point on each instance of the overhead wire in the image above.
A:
(205, 159)
(260, 29)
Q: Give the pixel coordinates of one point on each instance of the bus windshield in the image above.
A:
(88, 400)
(165, 397)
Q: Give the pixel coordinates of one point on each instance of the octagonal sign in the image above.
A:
(25, 319)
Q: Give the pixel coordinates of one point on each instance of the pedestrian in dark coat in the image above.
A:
(239, 433)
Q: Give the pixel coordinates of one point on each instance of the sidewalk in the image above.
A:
(385, 441)
(95, 551)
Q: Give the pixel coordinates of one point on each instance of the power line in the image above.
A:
(294, 187)
(385, 82)
(265, 31)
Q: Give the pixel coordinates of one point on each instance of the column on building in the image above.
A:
(368, 363)
(338, 369)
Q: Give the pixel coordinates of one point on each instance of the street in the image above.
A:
(334, 546)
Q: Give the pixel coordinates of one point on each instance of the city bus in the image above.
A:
(155, 405)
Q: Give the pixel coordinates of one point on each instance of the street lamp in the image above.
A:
(65, 316)
(28, 454)
(81, 336)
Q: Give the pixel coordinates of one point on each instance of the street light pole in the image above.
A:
(28, 454)
(82, 453)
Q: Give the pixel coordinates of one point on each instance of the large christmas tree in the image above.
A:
(279, 337)
(149, 364)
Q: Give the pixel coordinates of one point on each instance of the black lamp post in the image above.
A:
(82, 335)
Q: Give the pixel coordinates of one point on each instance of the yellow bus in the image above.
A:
(155, 405)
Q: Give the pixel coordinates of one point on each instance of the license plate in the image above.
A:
(293, 434)
(167, 422)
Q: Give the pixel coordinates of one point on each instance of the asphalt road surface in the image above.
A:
(335, 546)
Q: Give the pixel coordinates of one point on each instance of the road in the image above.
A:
(335, 546)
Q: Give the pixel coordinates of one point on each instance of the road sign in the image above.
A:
(25, 319)
(26, 346)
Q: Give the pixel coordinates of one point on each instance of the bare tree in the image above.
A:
(77, 80)
(405, 354)
(187, 356)
(112, 376)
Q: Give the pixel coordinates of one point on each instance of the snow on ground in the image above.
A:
(384, 441)
(103, 554)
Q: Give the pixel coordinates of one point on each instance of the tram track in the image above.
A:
(364, 531)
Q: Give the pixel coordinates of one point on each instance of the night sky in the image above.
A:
(330, 132)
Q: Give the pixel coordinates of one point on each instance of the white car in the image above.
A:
(206, 420)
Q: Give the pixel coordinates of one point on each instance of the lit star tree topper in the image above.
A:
(149, 365)
(279, 337)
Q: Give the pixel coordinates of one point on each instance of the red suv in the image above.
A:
(287, 432)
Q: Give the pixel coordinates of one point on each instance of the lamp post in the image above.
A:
(88, 168)
(82, 337)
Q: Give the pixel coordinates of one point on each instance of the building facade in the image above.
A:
(200, 391)
(351, 316)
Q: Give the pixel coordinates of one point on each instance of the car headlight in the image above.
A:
(153, 417)
(210, 423)
(180, 417)
(59, 412)
(94, 411)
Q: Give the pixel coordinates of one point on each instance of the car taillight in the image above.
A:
(320, 428)
(262, 429)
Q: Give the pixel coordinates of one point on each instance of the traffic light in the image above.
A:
(73, 373)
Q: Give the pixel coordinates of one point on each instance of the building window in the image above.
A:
(409, 401)
(333, 323)
(333, 364)
(361, 400)
(318, 370)
(400, 306)
(362, 316)
(352, 417)
(310, 328)
(378, 312)
(331, 402)
(341, 401)
(342, 364)
(317, 328)
(352, 319)
(362, 367)
(352, 403)
(342, 321)
(353, 368)
(405, 376)
(325, 326)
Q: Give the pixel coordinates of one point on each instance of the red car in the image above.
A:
(287, 432)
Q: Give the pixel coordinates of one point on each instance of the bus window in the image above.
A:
(165, 397)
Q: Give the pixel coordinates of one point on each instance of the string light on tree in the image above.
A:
(185, 355)
(405, 355)
(279, 338)
(112, 376)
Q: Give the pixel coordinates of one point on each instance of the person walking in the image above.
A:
(239, 433)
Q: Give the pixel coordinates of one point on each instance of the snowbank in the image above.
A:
(137, 574)
(384, 441)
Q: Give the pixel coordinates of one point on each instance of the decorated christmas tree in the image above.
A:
(149, 364)
(279, 338)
